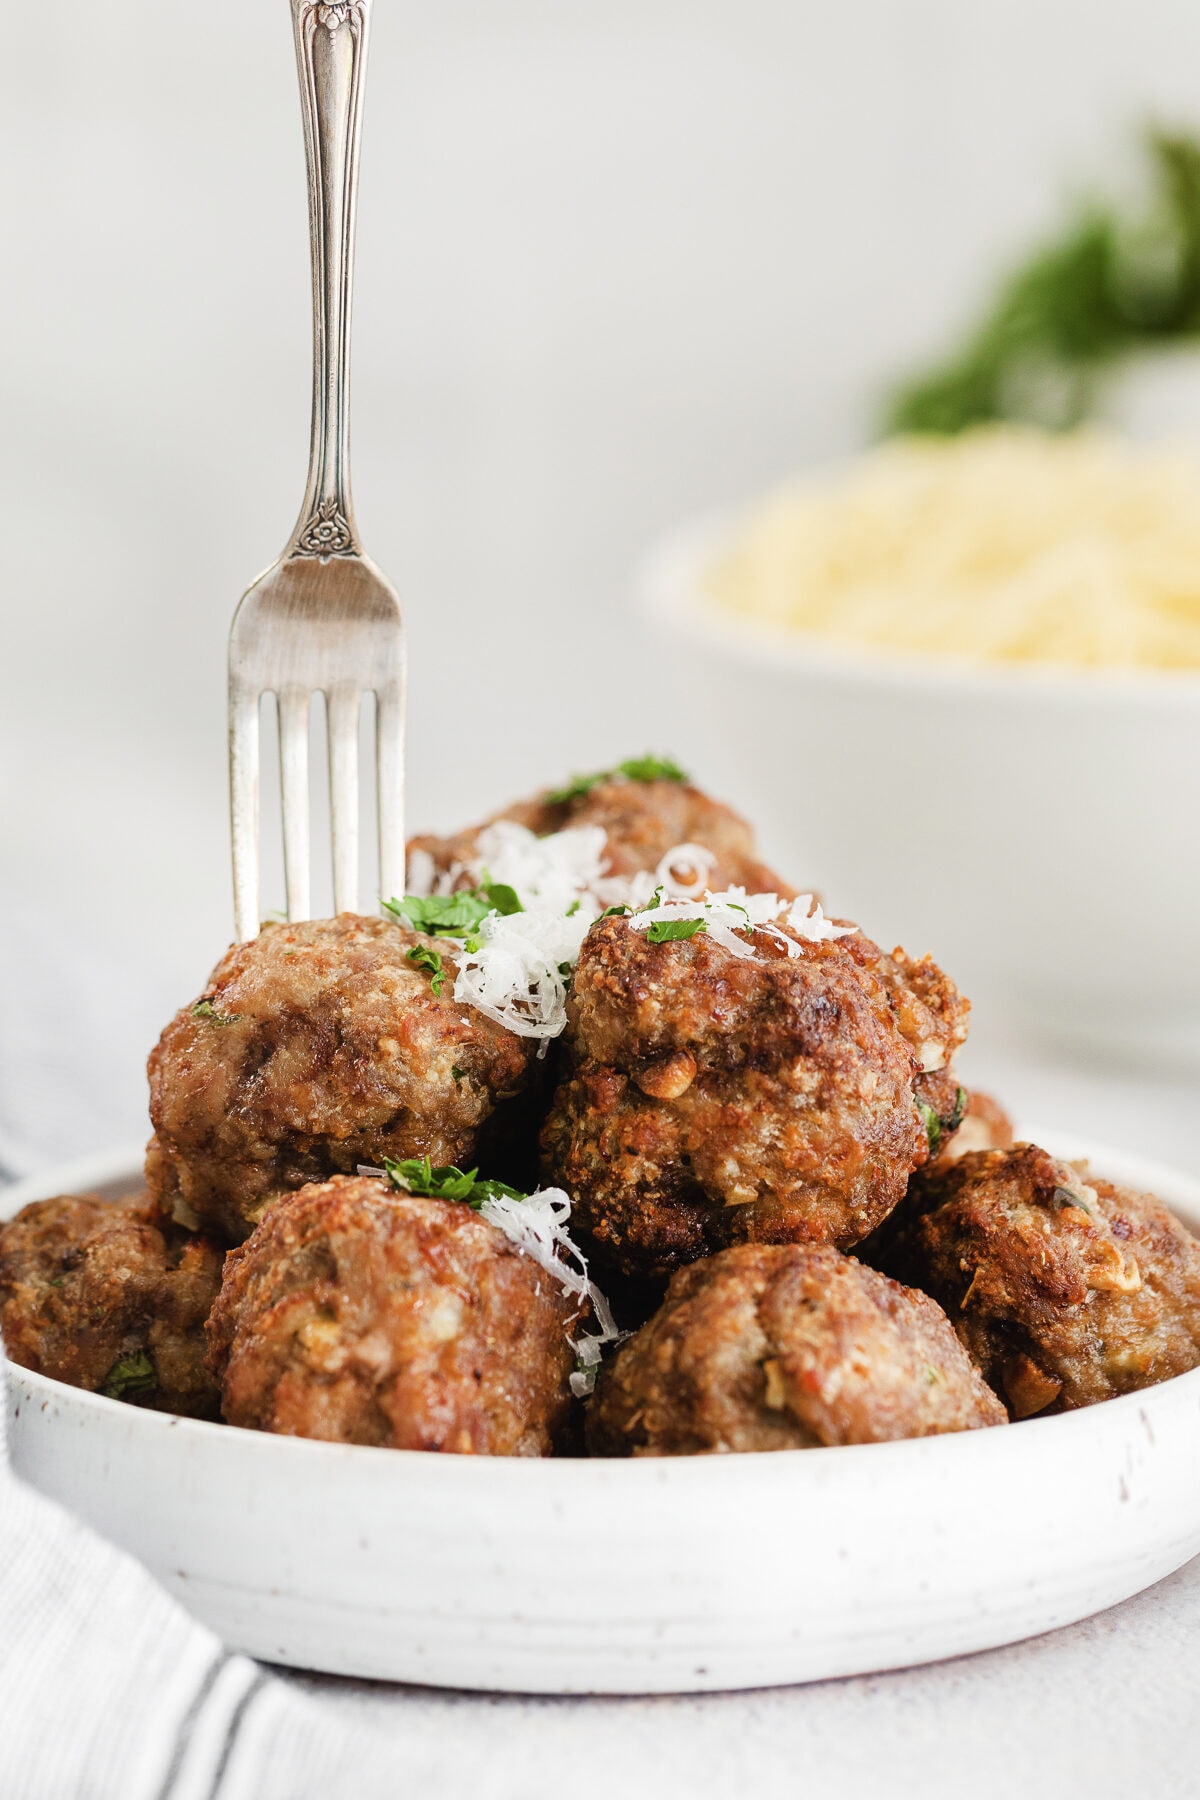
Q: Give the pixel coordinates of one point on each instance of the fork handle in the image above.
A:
(331, 55)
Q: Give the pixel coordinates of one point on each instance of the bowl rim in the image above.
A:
(668, 592)
(1182, 1193)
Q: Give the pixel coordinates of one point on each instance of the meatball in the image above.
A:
(643, 820)
(111, 1298)
(1064, 1288)
(314, 1048)
(714, 1099)
(784, 1347)
(364, 1316)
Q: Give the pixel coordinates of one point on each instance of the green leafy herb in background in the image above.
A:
(637, 768)
(132, 1375)
(417, 1175)
(1116, 281)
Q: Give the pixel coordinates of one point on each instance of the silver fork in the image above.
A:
(322, 619)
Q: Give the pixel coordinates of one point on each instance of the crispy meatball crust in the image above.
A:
(785, 1347)
(643, 820)
(110, 1298)
(714, 1100)
(363, 1316)
(314, 1048)
(1065, 1289)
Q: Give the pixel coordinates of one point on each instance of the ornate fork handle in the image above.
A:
(331, 53)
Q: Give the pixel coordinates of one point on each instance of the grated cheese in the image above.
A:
(537, 1226)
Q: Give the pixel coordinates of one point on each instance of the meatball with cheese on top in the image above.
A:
(785, 1347)
(778, 1086)
(1064, 1288)
(646, 809)
(314, 1048)
(361, 1315)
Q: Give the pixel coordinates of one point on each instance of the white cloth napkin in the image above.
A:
(109, 1691)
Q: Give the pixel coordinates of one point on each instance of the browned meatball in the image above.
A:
(783, 1347)
(714, 1099)
(643, 820)
(317, 1047)
(111, 1298)
(1065, 1289)
(364, 1316)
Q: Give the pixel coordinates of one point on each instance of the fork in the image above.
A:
(322, 619)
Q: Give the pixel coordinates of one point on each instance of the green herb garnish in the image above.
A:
(615, 912)
(1064, 1196)
(666, 931)
(961, 1102)
(422, 957)
(1114, 281)
(417, 1175)
(932, 1123)
(636, 768)
(134, 1374)
(455, 915)
(204, 1009)
(457, 1074)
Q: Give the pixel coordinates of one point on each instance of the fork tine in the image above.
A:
(293, 779)
(389, 758)
(243, 806)
(343, 793)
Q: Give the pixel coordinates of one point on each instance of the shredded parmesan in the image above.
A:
(731, 914)
(518, 974)
(537, 1226)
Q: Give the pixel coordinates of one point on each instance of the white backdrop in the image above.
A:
(618, 262)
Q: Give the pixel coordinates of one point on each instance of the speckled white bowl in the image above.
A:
(629, 1577)
(1035, 827)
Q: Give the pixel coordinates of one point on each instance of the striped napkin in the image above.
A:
(109, 1691)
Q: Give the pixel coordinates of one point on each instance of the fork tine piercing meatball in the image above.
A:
(643, 821)
(314, 1048)
(363, 1316)
(1064, 1288)
(714, 1099)
(785, 1347)
(111, 1298)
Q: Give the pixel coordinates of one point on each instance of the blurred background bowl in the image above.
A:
(1034, 827)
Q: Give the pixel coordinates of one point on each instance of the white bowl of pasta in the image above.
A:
(1032, 818)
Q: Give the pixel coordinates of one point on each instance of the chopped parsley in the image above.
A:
(204, 1009)
(130, 1376)
(417, 1175)
(615, 912)
(961, 1101)
(422, 957)
(636, 768)
(455, 915)
(666, 931)
(932, 1123)
(456, 1073)
(1065, 1196)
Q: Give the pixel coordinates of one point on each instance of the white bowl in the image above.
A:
(1036, 828)
(652, 1576)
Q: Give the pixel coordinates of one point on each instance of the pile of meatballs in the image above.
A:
(809, 1233)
